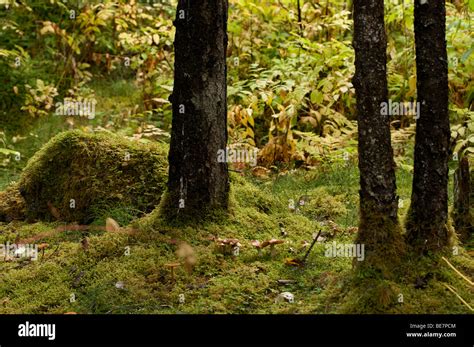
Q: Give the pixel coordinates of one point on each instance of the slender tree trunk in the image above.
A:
(378, 226)
(426, 222)
(300, 20)
(197, 182)
(462, 191)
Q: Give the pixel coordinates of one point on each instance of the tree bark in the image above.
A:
(426, 222)
(197, 182)
(378, 200)
(462, 191)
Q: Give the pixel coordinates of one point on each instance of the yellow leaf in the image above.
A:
(250, 133)
(293, 262)
(412, 86)
(251, 121)
(47, 28)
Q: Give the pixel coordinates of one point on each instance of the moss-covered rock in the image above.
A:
(76, 176)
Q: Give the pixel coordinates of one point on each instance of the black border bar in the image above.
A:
(317, 330)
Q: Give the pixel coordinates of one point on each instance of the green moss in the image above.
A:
(383, 241)
(418, 287)
(323, 205)
(81, 174)
(247, 283)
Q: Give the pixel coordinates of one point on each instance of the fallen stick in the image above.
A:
(459, 297)
(311, 247)
(458, 272)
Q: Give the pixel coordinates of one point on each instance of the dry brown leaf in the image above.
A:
(111, 225)
(260, 171)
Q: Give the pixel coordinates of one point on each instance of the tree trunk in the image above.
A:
(300, 20)
(426, 223)
(462, 191)
(378, 226)
(197, 182)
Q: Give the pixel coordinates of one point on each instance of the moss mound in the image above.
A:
(77, 176)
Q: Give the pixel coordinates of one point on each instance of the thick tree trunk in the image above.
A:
(378, 199)
(197, 182)
(462, 191)
(426, 223)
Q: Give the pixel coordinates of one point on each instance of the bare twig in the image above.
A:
(312, 245)
(459, 297)
(458, 272)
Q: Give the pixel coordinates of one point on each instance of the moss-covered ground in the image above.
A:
(124, 271)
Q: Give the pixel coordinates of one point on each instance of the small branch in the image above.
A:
(459, 297)
(458, 272)
(312, 245)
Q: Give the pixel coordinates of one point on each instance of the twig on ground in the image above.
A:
(459, 297)
(458, 272)
(311, 247)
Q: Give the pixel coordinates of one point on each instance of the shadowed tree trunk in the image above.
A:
(462, 190)
(426, 221)
(378, 225)
(197, 182)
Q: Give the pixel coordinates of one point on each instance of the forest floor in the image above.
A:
(124, 271)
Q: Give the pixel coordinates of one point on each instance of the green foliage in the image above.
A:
(290, 90)
(462, 133)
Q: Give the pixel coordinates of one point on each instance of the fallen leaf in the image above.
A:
(111, 225)
(293, 262)
(260, 171)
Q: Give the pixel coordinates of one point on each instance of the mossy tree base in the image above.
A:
(170, 212)
(384, 245)
(425, 238)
